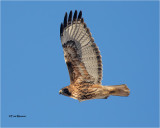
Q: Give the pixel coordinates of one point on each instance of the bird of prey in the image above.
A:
(84, 62)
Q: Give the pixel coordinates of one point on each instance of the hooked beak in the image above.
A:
(60, 92)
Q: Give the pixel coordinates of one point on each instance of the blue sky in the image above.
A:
(33, 67)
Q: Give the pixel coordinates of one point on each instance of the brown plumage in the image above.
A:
(84, 62)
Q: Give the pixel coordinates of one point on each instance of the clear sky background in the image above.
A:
(33, 67)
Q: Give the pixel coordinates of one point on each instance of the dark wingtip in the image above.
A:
(61, 29)
(70, 17)
(75, 15)
(68, 20)
(80, 15)
(85, 26)
(82, 20)
(65, 20)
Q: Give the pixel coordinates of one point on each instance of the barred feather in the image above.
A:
(82, 56)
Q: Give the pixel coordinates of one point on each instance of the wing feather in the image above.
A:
(81, 54)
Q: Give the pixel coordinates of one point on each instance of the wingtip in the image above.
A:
(61, 29)
(75, 15)
(80, 15)
(65, 19)
(82, 20)
(70, 17)
(68, 20)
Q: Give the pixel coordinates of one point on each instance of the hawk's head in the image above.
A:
(65, 91)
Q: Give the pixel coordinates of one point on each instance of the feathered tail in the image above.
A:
(118, 90)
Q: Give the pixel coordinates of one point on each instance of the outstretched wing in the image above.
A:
(81, 54)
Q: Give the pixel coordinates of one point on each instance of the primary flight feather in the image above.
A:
(84, 62)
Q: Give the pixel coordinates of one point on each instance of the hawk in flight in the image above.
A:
(84, 62)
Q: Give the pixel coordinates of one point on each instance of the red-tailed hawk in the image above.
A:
(84, 62)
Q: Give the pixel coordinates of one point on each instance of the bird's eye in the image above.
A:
(66, 91)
